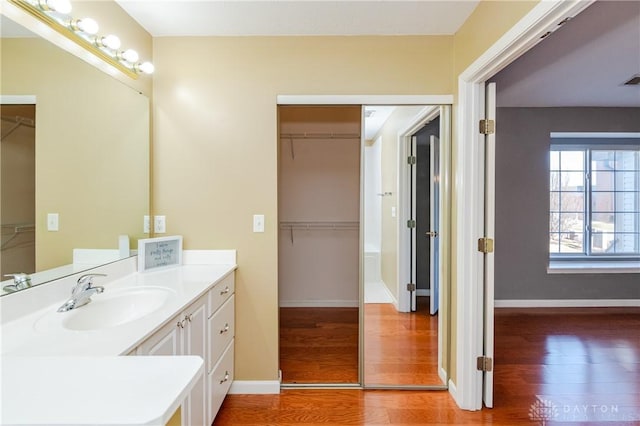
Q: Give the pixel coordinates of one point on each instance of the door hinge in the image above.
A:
(484, 363)
(411, 224)
(487, 127)
(411, 287)
(485, 245)
(411, 159)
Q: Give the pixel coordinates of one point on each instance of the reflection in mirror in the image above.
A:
(403, 325)
(91, 154)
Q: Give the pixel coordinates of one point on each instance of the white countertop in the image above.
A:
(27, 335)
(76, 377)
(116, 390)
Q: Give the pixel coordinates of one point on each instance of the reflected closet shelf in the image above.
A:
(320, 226)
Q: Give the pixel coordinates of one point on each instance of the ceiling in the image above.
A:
(167, 18)
(583, 63)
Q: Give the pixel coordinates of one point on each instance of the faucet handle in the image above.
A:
(84, 283)
(20, 280)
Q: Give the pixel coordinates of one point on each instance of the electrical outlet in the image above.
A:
(146, 224)
(159, 224)
(53, 222)
(258, 223)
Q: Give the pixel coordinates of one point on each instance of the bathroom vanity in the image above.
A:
(107, 352)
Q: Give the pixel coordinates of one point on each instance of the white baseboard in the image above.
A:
(453, 390)
(568, 303)
(442, 374)
(423, 292)
(319, 304)
(247, 387)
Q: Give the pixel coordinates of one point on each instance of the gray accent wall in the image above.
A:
(522, 204)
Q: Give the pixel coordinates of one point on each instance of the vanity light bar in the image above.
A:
(56, 14)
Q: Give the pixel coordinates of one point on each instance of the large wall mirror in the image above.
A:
(74, 150)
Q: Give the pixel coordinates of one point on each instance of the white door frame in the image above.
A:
(469, 172)
(404, 258)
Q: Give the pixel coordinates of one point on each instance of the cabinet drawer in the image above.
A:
(220, 380)
(221, 331)
(220, 293)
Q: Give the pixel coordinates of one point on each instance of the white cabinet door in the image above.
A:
(194, 341)
(165, 341)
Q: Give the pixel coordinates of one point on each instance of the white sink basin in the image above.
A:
(109, 309)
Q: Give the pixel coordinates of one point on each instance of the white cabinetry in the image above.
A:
(206, 329)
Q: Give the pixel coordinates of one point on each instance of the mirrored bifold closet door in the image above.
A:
(319, 221)
(343, 200)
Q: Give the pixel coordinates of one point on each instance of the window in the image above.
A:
(594, 209)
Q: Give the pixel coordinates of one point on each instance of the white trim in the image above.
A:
(568, 303)
(403, 236)
(442, 373)
(364, 99)
(453, 391)
(469, 171)
(319, 304)
(423, 292)
(589, 135)
(18, 99)
(248, 387)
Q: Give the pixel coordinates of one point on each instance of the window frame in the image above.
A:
(587, 144)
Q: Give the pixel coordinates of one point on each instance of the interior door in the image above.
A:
(434, 252)
(489, 232)
(413, 258)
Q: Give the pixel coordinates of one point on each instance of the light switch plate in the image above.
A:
(146, 224)
(53, 222)
(258, 223)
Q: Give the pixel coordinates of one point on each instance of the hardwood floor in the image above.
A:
(319, 345)
(583, 363)
(400, 348)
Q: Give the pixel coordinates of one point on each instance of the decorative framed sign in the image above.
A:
(158, 253)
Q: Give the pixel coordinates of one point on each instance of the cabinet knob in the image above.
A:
(225, 329)
(226, 377)
(225, 291)
(180, 325)
(189, 317)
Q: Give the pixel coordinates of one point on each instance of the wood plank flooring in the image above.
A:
(400, 348)
(319, 345)
(583, 362)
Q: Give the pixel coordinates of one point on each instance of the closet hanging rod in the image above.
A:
(17, 228)
(320, 135)
(19, 119)
(335, 225)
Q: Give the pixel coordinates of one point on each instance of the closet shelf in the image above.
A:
(325, 225)
(319, 226)
(17, 228)
(306, 135)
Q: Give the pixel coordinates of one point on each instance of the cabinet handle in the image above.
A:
(180, 324)
(226, 377)
(225, 329)
(225, 291)
(190, 317)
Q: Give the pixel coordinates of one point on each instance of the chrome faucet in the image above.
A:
(20, 282)
(82, 292)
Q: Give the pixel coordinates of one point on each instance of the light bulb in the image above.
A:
(109, 41)
(86, 25)
(129, 55)
(146, 67)
(60, 6)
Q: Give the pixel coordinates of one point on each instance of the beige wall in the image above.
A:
(401, 117)
(92, 137)
(216, 144)
(488, 22)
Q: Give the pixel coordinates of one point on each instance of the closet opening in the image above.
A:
(319, 244)
(17, 190)
(364, 236)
